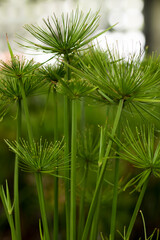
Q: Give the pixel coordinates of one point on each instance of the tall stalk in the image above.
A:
(94, 228)
(67, 135)
(37, 175)
(73, 171)
(39, 185)
(114, 202)
(30, 134)
(16, 175)
(115, 195)
(56, 219)
(67, 172)
(102, 172)
(55, 103)
(137, 207)
(84, 183)
(82, 205)
(13, 231)
(83, 117)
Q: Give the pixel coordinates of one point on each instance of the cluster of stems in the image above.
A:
(81, 224)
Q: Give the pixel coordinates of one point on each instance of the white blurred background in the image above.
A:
(134, 17)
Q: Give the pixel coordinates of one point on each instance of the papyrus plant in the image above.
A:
(51, 75)
(87, 158)
(16, 75)
(63, 38)
(40, 158)
(37, 157)
(125, 83)
(128, 85)
(141, 148)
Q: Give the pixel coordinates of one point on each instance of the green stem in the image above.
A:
(9, 213)
(30, 135)
(115, 195)
(82, 205)
(16, 175)
(82, 113)
(42, 204)
(137, 207)
(114, 202)
(82, 199)
(102, 172)
(67, 136)
(13, 231)
(55, 103)
(94, 228)
(73, 171)
(37, 175)
(12, 227)
(56, 219)
(67, 172)
(46, 105)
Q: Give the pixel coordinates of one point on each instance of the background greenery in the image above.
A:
(95, 115)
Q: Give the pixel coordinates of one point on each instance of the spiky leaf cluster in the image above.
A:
(39, 156)
(142, 149)
(153, 235)
(51, 73)
(65, 35)
(116, 79)
(17, 68)
(10, 88)
(75, 88)
(4, 104)
(88, 147)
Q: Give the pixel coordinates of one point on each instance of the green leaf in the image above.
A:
(6, 200)
(129, 79)
(75, 88)
(64, 36)
(9, 47)
(40, 231)
(142, 149)
(39, 156)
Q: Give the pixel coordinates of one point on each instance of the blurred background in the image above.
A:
(137, 20)
(137, 27)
